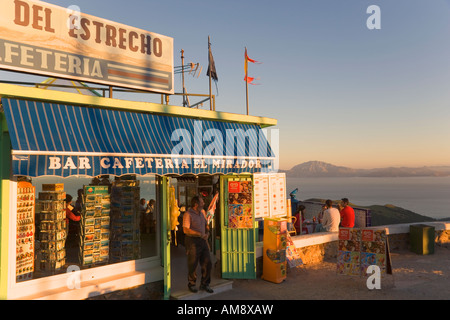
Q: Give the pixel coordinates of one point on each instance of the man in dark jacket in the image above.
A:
(196, 232)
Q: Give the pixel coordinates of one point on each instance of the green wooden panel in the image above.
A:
(238, 245)
(5, 169)
(165, 235)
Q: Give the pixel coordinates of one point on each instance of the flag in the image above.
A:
(212, 66)
(247, 60)
(249, 79)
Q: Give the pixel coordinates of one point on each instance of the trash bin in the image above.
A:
(421, 238)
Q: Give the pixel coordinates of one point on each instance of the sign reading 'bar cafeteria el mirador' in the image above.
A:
(44, 39)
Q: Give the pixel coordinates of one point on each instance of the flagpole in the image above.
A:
(182, 77)
(209, 64)
(246, 78)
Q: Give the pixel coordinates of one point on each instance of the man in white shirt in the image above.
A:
(331, 219)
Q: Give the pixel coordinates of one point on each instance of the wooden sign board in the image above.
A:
(361, 247)
(44, 39)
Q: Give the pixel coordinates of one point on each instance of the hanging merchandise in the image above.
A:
(53, 231)
(174, 212)
(125, 214)
(292, 256)
(25, 231)
(95, 225)
(212, 208)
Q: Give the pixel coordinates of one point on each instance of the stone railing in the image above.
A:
(317, 247)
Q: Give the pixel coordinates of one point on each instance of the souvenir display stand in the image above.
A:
(95, 226)
(293, 258)
(274, 249)
(360, 248)
(25, 231)
(52, 225)
(125, 214)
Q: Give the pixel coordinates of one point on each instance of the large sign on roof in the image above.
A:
(44, 39)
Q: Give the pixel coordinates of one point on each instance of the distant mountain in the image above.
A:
(322, 169)
(407, 172)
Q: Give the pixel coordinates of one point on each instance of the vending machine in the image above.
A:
(274, 249)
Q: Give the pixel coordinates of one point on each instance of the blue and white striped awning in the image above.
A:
(66, 140)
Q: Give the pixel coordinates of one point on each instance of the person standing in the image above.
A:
(196, 232)
(71, 220)
(69, 214)
(330, 220)
(347, 214)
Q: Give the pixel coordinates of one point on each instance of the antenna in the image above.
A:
(190, 68)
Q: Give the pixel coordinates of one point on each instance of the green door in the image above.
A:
(238, 232)
(165, 234)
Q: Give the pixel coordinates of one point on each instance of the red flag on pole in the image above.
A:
(247, 59)
(248, 79)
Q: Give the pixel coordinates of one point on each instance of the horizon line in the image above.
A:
(371, 168)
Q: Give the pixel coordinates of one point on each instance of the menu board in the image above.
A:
(349, 251)
(270, 195)
(261, 195)
(374, 250)
(277, 192)
(240, 204)
(360, 248)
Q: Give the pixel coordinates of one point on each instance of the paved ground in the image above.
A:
(415, 277)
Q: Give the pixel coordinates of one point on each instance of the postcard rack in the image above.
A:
(52, 225)
(95, 226)
(125, 214)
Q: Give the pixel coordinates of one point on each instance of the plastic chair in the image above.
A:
(292, 230)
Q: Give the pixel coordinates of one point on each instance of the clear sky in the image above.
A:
(341, 93)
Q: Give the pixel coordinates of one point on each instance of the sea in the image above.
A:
(428, 196)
